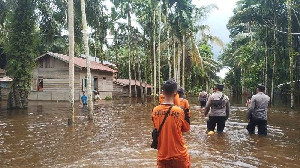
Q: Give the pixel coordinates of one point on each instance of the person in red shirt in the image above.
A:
(172, 151)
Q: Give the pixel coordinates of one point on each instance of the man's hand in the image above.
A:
(186, 116)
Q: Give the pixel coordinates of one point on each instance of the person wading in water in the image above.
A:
(184, 103)
(219, 107)
(203, 98)
(84, 99)
(172, 151)
(257, 111)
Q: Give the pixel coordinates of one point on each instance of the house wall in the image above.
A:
(4, 93)
(123, 91)
(120, 91)
(4, 89)
(55, 76)
(104, 80)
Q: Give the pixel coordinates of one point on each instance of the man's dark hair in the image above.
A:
(220, 86)
(261, 87)
(180, 91)
(170, 86)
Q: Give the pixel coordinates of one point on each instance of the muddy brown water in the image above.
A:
(120, 136)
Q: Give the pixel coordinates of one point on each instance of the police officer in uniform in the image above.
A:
(219, 107)
(203, 98)
(257, 111)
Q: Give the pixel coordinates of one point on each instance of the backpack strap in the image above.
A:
(222, 97)
(163, 122)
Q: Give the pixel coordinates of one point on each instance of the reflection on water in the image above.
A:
(120, 136)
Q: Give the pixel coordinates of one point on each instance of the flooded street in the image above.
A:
(120, 136)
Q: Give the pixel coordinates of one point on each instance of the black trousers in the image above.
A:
(203, 103)
(216, 120)
(261, 124)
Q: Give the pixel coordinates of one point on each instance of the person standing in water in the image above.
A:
(257, 111)
(84, 102)
(172, 151)
(203, 96)
(219, 107)
(184, 103)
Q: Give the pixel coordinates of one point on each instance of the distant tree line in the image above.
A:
(264, 47)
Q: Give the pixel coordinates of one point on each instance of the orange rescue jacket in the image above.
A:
(170, 139)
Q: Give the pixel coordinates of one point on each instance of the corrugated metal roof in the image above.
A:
(79, 62)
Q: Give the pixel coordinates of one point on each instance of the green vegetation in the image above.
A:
(108, 98)
(21, 52)
(265, 39)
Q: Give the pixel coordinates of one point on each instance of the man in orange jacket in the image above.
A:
(176, 99)
(172, 151)
(184, 103)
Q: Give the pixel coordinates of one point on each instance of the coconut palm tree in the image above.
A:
(71, 58)
(87, 54)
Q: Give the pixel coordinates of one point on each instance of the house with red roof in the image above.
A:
(121, 88)
(51, 78)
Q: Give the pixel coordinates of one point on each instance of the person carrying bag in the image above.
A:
(169, 122)
(155, 132)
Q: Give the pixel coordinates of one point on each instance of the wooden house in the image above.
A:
(121, 88)
(51, 78)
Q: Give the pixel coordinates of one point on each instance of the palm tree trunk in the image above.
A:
(140, 79)
(146, 76)
(169, 56)
(168, 38)
(178, 65)
(134, 69)
(146, 80)
(71, 59)
(291, 56)
(129, 59)
(154, 56)
(174, 59)
(274, 62)
(243, 88)
(183, 61)
(87, 54)
(266, 62)
(159, 34)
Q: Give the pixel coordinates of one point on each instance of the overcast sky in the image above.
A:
(218, 19)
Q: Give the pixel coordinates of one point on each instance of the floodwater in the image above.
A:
(120, 136)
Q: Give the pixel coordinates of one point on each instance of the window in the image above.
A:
(95, 83)
(84, 84)
(40, 84)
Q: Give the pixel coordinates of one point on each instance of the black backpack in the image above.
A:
(218, 103)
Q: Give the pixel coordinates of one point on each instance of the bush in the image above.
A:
(108, 98)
